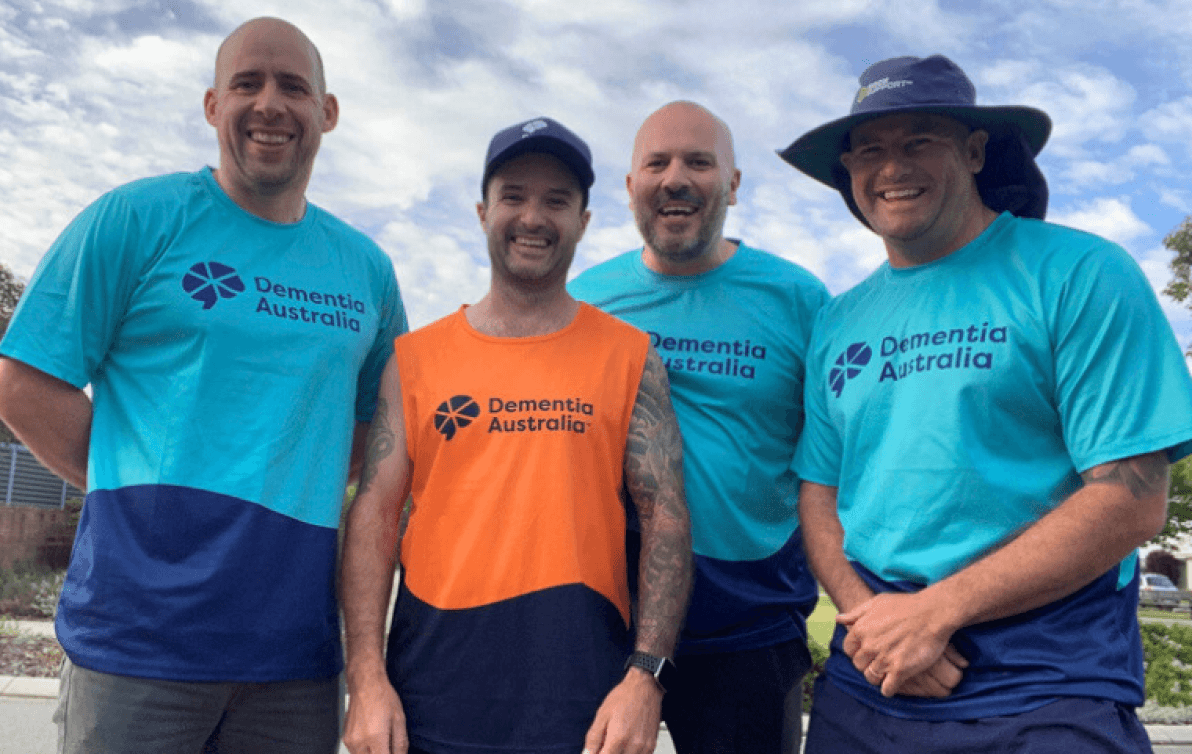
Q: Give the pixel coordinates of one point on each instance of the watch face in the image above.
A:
(660, 667)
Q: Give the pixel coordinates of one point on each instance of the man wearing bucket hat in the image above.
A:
(514, 425)
(983, 450)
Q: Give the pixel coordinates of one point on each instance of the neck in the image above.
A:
(925, 249)
(508, 312)
(285, 206)
(709, 259)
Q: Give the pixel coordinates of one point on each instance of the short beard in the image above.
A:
(678, 251)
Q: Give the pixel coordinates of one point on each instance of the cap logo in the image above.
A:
(532, 126)
(879, 85)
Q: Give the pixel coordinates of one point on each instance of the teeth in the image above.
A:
(540, 243)
(268, 138)
(676, 211)
(903, 194)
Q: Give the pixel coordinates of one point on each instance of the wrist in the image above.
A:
(660, 670)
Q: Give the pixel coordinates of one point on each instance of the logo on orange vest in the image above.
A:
(455, 413)
(546, 415)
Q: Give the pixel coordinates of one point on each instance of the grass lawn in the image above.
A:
(1154, 612)
(822, 622)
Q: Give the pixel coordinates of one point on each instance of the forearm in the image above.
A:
(664, 578)
(1085, 536)
(356, 459)
(366, 580)
(51, 417)
(823, 542)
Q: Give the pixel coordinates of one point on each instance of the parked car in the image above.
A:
(1156, 585)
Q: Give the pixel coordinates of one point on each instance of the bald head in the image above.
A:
(694, 122)
(683, 179)
(277, 29)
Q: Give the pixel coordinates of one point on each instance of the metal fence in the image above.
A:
(24, 481)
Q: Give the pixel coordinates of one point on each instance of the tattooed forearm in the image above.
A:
(654, 479)
(380, 445)
(1145, 476)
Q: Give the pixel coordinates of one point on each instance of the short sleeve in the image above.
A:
(818, 454)
(1122, 386)
(393, 323)
(72, 308)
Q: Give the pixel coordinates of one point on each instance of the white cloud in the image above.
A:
(1109, 217)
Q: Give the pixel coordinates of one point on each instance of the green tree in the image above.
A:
(11, 288)
(1179, 503)
(1180, 241)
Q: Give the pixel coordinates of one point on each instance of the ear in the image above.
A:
(583, 223)
(975, 150)
(481, 212)
(629, 186)
(733, 185)
(210, 106)
(330, 112)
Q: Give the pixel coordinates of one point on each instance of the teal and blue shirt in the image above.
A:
(229, 358)
(733, 340)
(954, 403)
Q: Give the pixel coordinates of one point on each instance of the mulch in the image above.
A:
(36, 656)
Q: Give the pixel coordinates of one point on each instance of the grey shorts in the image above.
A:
(100, 713)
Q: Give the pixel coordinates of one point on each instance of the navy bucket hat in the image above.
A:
(540, 135)
(1010, 180)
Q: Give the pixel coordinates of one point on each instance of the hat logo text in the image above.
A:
(879, 85)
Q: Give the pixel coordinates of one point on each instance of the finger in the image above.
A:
(946, 673)
(954, 656)
(893, 682)
(595, 738)
(849, 618)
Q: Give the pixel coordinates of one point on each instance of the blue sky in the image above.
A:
(94, 93)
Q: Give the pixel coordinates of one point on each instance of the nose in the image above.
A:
(532, 217)
(895, 165)
(268, 101)
(675, 176)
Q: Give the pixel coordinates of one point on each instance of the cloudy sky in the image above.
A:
(94, 93)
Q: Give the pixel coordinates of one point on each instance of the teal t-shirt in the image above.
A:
(954, 403)
(229, 358)
(733, 340)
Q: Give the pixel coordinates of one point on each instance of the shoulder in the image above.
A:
(609, 275)
(605, 325)
(784, 270)
(347, 235)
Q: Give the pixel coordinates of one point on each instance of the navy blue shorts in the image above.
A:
(732, 702)
(842, 725)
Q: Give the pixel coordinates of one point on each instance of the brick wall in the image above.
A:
(35, 534)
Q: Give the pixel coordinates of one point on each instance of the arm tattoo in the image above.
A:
(654, 480)
(380, 444)
(1144, 476)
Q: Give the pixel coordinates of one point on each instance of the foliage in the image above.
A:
(29, 591)
(819, 655)
(1163, 562)
(1179, 504)
(1168, 652)
(1180, 241)
(11, 288)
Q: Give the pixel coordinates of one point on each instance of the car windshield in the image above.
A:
(1155, 579)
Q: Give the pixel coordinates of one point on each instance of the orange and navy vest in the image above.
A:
(512, 620)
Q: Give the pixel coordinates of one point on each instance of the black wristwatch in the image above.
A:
(661, 668)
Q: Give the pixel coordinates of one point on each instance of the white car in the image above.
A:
(1156, 585)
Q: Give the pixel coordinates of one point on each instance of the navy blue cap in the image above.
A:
(1010, 180)
(540, 135)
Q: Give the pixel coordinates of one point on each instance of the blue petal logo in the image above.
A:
(455, 413)
(848, 366)
(208, 282)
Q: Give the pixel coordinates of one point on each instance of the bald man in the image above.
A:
(233, 337)
(732, 324)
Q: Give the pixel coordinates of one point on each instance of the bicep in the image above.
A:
(386, 460)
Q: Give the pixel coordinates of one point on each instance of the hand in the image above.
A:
(627, 721)
(893, 638)
(940, 679)
(376, 722)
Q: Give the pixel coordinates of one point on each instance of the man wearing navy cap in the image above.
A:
(515, 425)
(982, 452)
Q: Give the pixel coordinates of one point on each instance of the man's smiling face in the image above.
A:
(269, 110)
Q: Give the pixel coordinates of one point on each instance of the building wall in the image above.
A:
(35, 535)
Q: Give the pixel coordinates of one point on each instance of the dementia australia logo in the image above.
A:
(532, 126)
(725, 358)
(327, 308)
(455, 413)
(539, 414)
(881, 84)
(848, 366)
(971, 347)
(208, 282)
